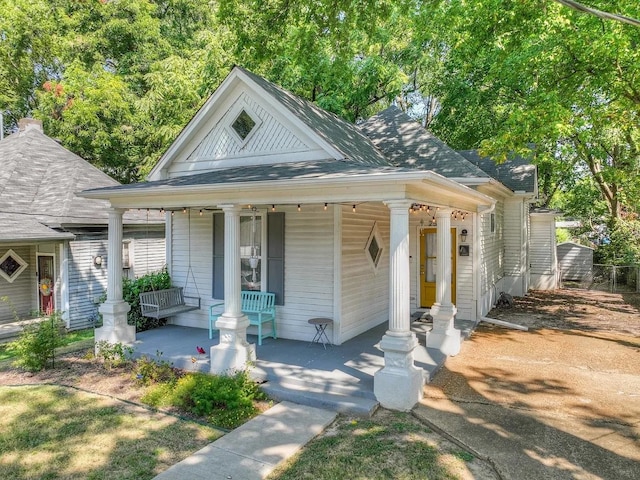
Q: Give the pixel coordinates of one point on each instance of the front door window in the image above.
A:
(428, 263)
(45, 284)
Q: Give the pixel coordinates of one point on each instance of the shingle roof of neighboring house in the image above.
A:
(406, 143)
(344, 136)
(518, 174)
(18, 227)
(40, 178)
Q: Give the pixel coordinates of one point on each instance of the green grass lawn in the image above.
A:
(51, 432)
(390, 445)
(76, 336)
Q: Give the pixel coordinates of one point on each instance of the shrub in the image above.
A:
(226, 401)
(35, 348)
(113, 355)
(131, 290)
(149, 371)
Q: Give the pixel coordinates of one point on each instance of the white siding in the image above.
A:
(193, 246)
(308, 268)
(491, 255)
(575, 261)
(543, 252)
(87, 283)
(309, 271)
(365, 291)
(147, 255)
(515, 248)
(22, 292)
(464, 272)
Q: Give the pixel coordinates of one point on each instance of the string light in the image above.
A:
(273, 208)
(299, 207)
(354, 208)
(325, 206)
(161, 210)
(184, 209)
(172, 212)
(200, 212)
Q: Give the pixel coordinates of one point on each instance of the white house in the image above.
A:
(363, 224)
(53, 244)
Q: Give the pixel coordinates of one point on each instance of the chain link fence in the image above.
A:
(609, 278)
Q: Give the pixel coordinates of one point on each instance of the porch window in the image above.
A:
(11, 266)
(251, 252)
(269, 253)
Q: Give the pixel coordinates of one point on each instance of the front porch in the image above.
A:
(339, 378)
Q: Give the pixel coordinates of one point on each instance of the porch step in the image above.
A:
(10, 331)
(352, 405)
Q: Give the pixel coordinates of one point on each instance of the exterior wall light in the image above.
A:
(463, 235)
(97, 261)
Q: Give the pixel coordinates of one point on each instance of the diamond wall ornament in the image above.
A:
(11, 266)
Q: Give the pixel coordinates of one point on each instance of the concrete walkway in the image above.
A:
(253, 450)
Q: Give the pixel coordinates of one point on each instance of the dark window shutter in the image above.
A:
(275, 255)
(218, 256)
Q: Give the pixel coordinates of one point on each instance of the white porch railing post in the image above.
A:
(398, 385)
(114, 311)
(233, 352)
(444, 336)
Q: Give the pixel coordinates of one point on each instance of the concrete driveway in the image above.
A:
(543, 404)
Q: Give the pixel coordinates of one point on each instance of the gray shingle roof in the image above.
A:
(18, 227)
(40, 178)
(264, 173)
(517, 174)
(342, 135)
(406, 143)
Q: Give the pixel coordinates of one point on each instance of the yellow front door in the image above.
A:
(428, 266)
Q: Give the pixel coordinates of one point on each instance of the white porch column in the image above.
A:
(398, 385)
(114, 311)
(233, 352)
(444, 336)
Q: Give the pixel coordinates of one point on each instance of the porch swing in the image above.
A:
(171, 301)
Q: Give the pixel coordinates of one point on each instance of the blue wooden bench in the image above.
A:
(259, 307)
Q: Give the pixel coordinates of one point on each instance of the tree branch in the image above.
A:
(599, 13)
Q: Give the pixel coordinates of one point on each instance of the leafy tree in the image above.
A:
(518, 73)
(29, 45)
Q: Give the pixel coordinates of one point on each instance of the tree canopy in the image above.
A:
(557, 81)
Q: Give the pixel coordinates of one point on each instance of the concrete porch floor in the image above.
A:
(338, 378)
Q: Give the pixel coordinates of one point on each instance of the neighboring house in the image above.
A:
(53, 244)
(363, 224)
